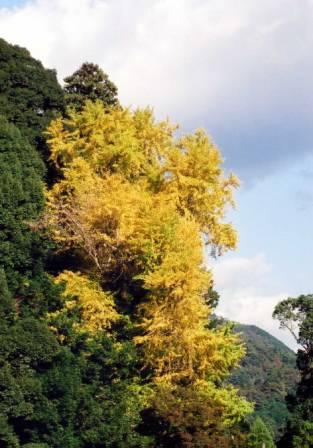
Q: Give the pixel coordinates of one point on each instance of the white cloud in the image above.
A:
(244, 285)
(243, 69)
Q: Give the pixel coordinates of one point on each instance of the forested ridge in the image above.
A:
(108, 336)
(266, 375)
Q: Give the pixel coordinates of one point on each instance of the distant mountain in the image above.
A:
(267, 374)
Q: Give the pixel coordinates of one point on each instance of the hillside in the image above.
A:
(266, 374)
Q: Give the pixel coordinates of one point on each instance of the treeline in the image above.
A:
(106, 336)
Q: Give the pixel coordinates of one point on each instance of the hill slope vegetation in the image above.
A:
(267, 373)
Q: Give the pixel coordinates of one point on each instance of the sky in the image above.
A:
(241, 69)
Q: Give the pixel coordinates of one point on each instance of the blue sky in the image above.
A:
(11, 3)
(241, 69)
(274, 219)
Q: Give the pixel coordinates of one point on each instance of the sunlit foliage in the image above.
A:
(95, 307)
(137, 205)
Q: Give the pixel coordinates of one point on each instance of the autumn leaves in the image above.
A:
(136, 205)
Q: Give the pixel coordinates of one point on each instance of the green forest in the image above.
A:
(109, 336)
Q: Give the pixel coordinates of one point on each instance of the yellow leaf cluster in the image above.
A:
(96, 307)
(121, 141)
(139, 204)
(139, 160)
(196, 180)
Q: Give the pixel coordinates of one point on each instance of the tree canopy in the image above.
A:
(136, 206)
(30, 95)
(89, 82)
(296, 315)
(21, 201)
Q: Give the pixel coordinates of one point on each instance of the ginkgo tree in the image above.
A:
(138, 205)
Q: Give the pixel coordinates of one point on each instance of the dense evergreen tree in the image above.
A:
(89, 82)
(21, 201)
(30, 95)
(296, 315)
(84, 393)
(22, 250)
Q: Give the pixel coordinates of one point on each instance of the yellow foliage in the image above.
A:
(187, 170)
(139, 204)
(95, 306)
(117, 142)
(196, 181)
